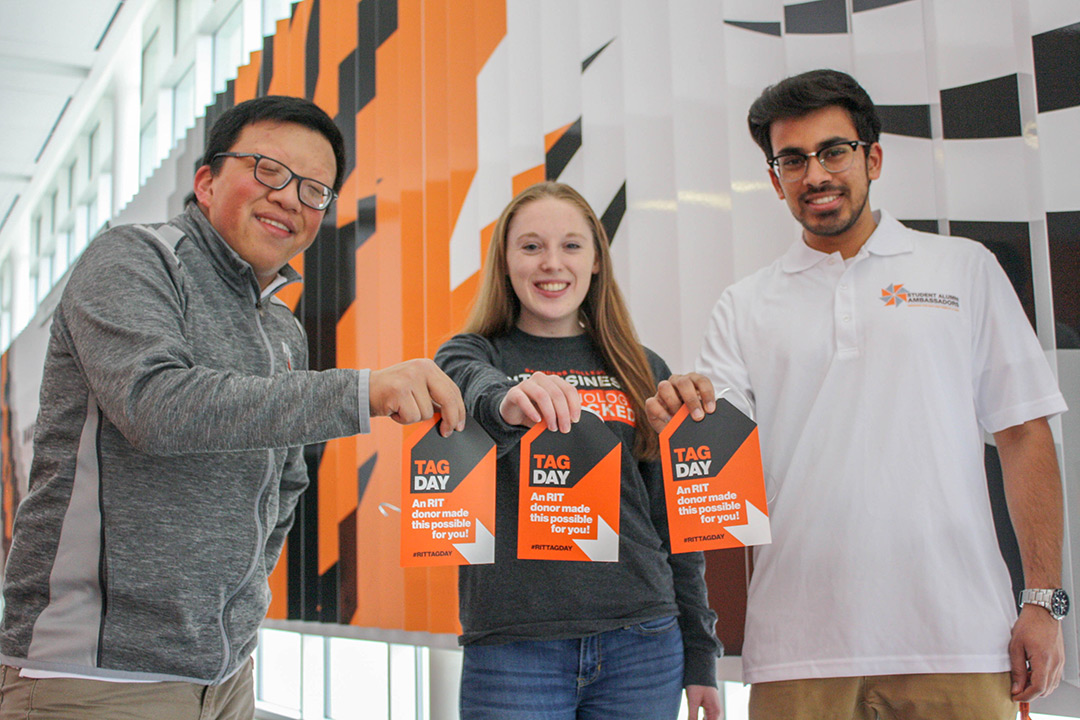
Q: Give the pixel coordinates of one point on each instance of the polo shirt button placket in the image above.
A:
(846, 345)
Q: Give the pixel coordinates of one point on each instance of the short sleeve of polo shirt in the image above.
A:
(1012, 380)
(721, 359)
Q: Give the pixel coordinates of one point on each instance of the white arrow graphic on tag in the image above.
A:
(605, 548)
(482, 550)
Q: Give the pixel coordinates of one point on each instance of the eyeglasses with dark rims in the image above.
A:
(835, 158)
(275, 174)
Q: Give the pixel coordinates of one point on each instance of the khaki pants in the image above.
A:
(70, 699)
(961, 696)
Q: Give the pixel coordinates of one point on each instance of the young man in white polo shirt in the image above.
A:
(875, 357)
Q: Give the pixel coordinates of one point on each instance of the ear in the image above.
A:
(777, 185)
(204, 186)
(873, 162)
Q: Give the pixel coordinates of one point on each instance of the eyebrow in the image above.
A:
(824, 143)
(539, 237)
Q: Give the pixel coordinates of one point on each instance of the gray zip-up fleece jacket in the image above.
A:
(167, 460)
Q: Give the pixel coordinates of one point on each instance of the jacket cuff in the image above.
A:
(363, 391)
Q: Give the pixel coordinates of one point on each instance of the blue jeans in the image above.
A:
(631, 673)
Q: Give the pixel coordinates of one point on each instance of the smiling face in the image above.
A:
(833, 208)
(266, 227)
(550, 258)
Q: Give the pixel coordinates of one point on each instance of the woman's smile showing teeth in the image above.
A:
(552, 285)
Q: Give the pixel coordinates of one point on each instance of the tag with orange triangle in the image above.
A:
(448, 497)
(569, 493)
(713, 481)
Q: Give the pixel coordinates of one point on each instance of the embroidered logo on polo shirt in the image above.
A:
(896, 295)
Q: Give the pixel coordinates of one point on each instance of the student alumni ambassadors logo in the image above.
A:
(896, 295)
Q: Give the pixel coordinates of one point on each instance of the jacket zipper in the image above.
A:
(259, 535)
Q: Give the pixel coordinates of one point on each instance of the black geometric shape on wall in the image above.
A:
(330, 287)
(363, 476)
(311, 52)
(347, 108)
(348, 593)
(907, 120)
(1011, 244)
(560, 154)
(376, 21)
(367, 42)
(304, 585)
(365, 222)
(266, 67)
(860, 5)
(766, 28)
(613, 215)
(386, 13)
(987, 109)
(222, 102)
(928, 226)
(1063, 230)
(588, 61)
(820, 17)
(1057, 67)
(329, 583)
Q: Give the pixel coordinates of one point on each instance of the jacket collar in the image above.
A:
(233, 269)
(890, 237)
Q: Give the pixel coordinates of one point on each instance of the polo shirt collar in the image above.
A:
(890, 237)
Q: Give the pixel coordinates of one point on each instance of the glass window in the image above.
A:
(60, 256)
(280, 668)
(44, 276)
(71, 186)
(272, 11)
(82, 229)
(91, 224)
(147, 150)
(228, 49)
(90, 153)
(359, 678)
(184, 21)
(7, 294)
(184, 104)
(149, 66)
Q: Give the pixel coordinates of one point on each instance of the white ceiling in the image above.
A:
(47, 48)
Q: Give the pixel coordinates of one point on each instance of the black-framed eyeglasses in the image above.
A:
(835, 158)
(276, 175)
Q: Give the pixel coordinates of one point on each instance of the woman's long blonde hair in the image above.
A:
(603, 313)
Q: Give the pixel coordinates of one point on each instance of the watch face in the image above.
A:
(1059, 603)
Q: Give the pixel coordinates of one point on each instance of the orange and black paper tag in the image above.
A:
(448, 497)
(569, 492)
(713, 481)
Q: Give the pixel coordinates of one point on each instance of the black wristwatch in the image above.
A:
(1055, 600)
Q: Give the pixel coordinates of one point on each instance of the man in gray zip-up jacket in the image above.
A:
(168, 448)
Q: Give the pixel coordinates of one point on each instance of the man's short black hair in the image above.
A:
(273, 108)
(803, 94)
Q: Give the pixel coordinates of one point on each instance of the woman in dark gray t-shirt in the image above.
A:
(549, 335)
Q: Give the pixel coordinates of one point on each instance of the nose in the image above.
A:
(816, 174)
(550, 259)
(287, 197)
